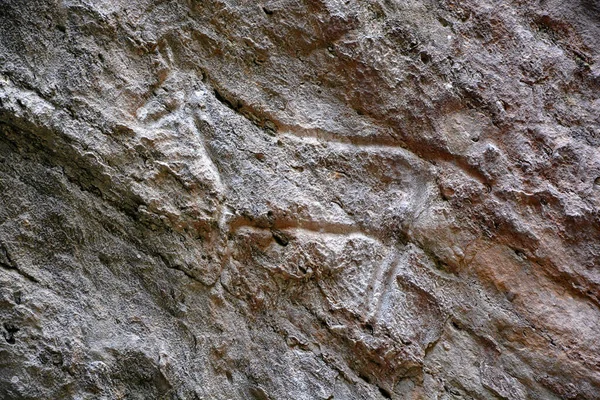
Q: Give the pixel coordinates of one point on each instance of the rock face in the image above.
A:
(299, 199)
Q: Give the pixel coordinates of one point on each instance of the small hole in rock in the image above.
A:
(9, 334)
(385, 393)
(425, 58)
(280, 238)
(267, 11)
(443, 22)
(258, 394)
(520, 254)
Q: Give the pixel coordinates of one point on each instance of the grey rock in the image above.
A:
(308, 199)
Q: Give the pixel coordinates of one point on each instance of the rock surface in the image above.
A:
(299, 199)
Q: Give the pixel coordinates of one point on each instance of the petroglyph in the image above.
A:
(299, 199)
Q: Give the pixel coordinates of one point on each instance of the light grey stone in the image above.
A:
(307, 199)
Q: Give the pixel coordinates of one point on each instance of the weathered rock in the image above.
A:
(306, 199)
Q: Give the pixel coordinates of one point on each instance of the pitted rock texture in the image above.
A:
(299, 199)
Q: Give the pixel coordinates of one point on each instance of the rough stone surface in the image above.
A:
(299, 199)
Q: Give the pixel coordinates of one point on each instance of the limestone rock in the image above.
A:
(299, 199)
